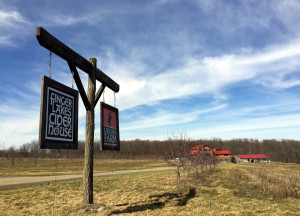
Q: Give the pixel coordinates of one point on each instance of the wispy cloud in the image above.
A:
(164, 118)
(209, 75)
(19, 122)
(249, 126)
(11, 22)
(11, 18)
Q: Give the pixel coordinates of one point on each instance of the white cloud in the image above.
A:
(288, 13)
(66, 19)
(89, 14)
(11, 23)
(165, 117)
(19, 124)
(11, 18)
(262, 122)
(234, 129)
(208, 75)
(6, 40)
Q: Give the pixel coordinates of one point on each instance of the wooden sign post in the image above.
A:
(90, 67)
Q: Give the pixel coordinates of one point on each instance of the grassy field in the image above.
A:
(44, 167)
(230, 190)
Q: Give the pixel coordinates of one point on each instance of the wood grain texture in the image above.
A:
(89, 139)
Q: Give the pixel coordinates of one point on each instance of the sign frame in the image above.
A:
(105, 146)
(46, 142)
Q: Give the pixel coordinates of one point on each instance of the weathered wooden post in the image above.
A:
(89, 139)
(90, 67)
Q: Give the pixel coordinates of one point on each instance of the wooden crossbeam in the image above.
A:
(79, 86)
(51, 43)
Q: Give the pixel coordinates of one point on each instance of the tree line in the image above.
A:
(287, 151)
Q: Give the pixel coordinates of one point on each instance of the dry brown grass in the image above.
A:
(26, 167)
(229, 190)
(281, 181)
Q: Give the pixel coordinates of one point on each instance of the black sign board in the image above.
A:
(59, 116)
(109, 120)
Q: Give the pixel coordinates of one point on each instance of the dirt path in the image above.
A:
(17, 181)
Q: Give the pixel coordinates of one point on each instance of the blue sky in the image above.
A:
(212, 69)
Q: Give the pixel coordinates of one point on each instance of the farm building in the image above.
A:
(218, 153)
(202, 149)
(222, 155)
(249, 158)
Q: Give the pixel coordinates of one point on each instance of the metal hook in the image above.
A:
(103, 95)
(115, 98)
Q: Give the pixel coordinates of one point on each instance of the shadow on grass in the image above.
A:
(183, 201)
(159, 202)
(168, 196)
(139, 208)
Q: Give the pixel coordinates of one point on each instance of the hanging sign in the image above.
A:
(58, 116)
(109, 120)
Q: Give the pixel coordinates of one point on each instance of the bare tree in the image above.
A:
(2, 149)
(11, 155)
(35, 151)
(24, 150)
(175, 153)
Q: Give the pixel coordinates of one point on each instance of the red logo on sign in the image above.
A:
(109, 118)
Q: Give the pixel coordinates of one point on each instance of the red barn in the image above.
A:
(201, 149)
(221, 155)
(250, 158)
